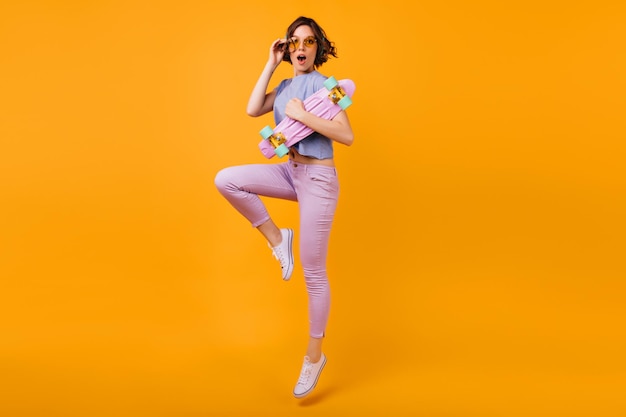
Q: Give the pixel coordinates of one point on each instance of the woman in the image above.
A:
(308, 177)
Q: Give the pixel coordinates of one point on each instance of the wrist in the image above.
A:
(302, 117)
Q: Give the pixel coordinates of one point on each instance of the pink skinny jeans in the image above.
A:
(316, 189)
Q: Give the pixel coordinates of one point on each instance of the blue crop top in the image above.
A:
(302, 86)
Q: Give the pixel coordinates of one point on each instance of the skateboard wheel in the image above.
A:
(266, 132)
(281, 151)
(330, 83)
(345, 102)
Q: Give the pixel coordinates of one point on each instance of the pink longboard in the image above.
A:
(326, 103)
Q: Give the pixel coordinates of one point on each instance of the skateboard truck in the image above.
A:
(276, 139)
(337, 95)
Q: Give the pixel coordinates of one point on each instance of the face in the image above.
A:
(302, 50)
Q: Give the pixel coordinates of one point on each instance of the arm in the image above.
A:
(261, 102)
(337, 129)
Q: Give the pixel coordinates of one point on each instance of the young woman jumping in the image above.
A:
(308, 177)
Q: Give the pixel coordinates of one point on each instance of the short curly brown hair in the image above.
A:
(326, 48)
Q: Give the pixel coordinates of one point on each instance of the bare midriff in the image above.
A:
(301, 159)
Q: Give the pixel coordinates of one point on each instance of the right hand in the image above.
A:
(277, 51)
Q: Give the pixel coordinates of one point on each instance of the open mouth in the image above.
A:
(301, 58)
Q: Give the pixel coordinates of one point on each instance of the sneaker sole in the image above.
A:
(290, 270)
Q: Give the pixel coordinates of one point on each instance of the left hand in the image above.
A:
(295, 109)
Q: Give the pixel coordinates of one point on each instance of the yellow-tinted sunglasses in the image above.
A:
(294, 43)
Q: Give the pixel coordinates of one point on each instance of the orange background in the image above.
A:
(477, 256)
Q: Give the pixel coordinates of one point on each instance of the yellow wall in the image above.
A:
(477, 258)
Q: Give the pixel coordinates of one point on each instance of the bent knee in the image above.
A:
(223, 179)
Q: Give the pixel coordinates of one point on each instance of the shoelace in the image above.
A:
(306, 373)
(279, 255)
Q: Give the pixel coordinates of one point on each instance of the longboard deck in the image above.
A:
(289, 131)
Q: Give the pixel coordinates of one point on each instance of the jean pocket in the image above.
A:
(321, 173)
(323, 181)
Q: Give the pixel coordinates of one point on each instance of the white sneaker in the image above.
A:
(308, 376)
(284, 253)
